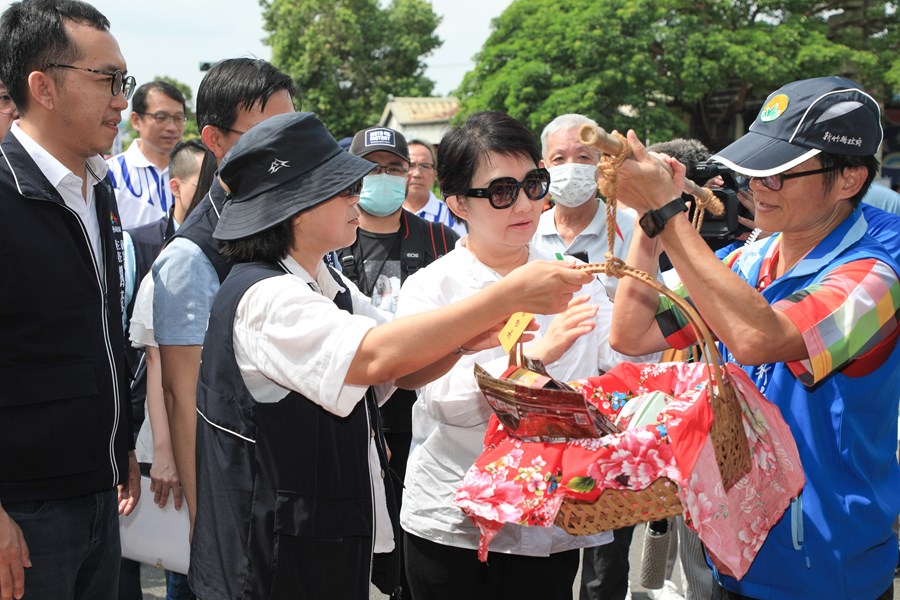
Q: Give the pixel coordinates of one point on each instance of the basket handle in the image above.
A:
(711, 356)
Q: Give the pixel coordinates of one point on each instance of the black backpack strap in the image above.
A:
(412, 247)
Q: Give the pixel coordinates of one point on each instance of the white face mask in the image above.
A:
(573, 184)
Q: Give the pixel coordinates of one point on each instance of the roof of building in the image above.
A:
(419, 111)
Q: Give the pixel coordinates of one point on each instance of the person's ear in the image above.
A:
(542, 164)
(458, 206)
(136, 122)
(43, 89)
(851, 181)
(213, 138)
(175, 186)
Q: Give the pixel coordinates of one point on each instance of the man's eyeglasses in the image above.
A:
(424, 167)
(120, 83)
(161, 118)
(353, 190)
(7, 106)
(776, 182)
(395, 170)
(504, 191)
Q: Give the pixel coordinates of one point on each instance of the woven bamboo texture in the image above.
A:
(618, 508)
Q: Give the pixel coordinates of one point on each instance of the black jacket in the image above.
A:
(65, 427)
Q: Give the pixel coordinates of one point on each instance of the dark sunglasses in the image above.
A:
(503, 192)
(776, 182)
(353, 190)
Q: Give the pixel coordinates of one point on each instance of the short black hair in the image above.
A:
(484, 133)
(839, 162)
(181, 164)
(237, 83)
(33, 34)
(269, 245)
(428, 146)
(139, 102)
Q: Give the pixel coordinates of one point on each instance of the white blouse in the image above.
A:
(450, 416)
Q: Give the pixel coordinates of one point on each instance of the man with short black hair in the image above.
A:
(235, 95)
(140, 175)
(391, 244)
(65, 427)
(420, 199)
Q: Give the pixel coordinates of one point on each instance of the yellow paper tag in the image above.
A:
(513, 329)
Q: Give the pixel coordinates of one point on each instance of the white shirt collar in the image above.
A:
(50, 166)
(432, 207)
(323, 281)
(136, 157)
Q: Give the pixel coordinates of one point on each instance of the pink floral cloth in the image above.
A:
(526, 482)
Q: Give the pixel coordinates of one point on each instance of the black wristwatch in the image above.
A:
(654, 221)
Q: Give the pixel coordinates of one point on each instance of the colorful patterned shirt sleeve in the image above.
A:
(673, 323)
(846, 316)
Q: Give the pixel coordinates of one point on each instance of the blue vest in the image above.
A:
(283, 489)
(835, 541)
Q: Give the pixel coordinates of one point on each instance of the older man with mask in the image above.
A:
(576, 225)
(65, 426)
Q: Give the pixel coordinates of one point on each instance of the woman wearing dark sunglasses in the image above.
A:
(489, 176)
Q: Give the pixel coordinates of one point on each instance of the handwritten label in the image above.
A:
(513, 329)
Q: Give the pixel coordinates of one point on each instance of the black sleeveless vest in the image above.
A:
(285, 505)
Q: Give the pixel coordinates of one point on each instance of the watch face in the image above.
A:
(649, 225)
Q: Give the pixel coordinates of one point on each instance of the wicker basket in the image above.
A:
(619, 508)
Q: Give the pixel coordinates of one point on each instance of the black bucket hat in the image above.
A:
(802, 119)
(282, 166)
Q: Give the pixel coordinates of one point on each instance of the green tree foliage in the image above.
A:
(668, 68)
(347, 56)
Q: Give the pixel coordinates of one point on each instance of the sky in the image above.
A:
(172, 37)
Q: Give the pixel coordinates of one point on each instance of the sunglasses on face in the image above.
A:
(352, 191)
(776, 182)
(503, 192)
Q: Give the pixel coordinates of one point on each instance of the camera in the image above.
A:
(720, 231)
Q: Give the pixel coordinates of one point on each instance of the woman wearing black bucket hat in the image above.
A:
(292, 499)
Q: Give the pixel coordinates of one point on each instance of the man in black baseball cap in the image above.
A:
(811, 313)
(291, 461)
(803, 119)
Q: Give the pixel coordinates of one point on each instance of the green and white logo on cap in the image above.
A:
(774, 108)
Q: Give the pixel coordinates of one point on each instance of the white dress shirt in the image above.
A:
(69, 185)
(592, 241)
(451, 415)
(289, 337)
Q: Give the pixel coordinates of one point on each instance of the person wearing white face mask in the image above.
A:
(576, 225)
(391, 243)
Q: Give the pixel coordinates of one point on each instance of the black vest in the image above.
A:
(199, 226)
(64, 422)
(284, 494)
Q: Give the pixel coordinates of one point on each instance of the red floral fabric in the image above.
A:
(514, 481)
